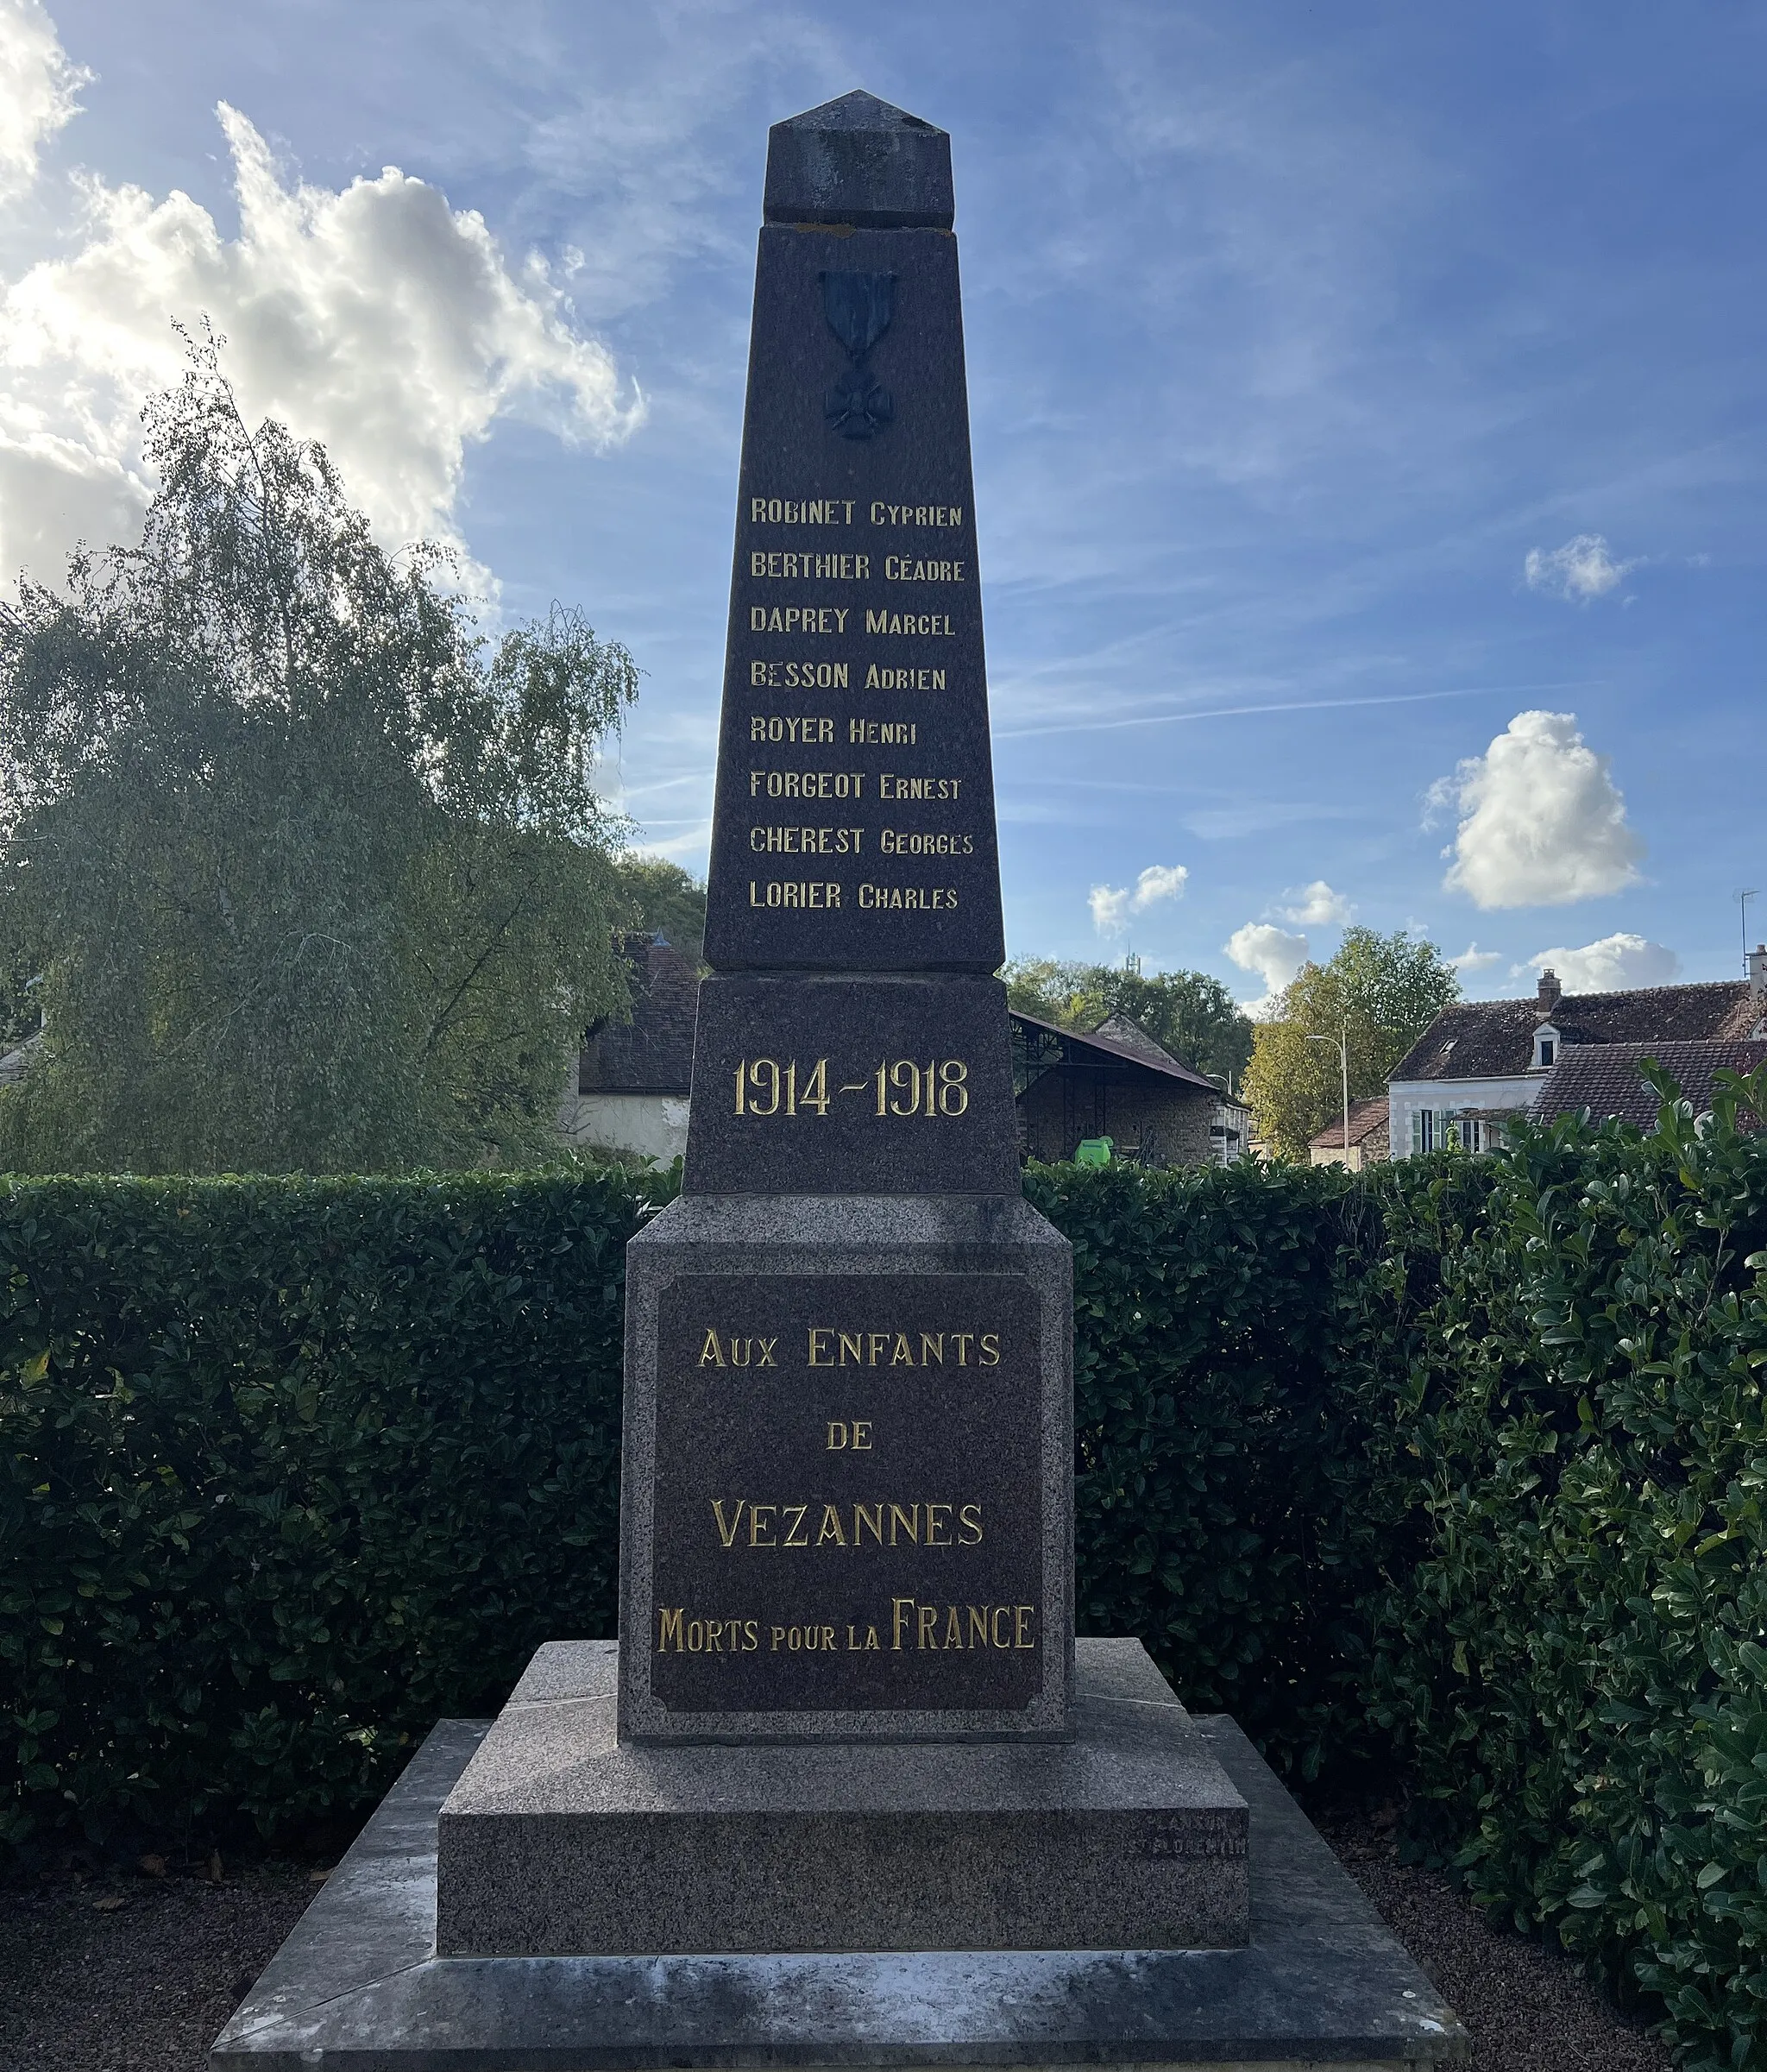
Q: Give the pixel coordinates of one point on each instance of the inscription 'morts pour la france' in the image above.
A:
(853, 828)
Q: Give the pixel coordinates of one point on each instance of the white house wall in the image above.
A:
(648, 1126)
(1405, 1098)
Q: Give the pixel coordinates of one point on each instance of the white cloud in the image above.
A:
(37, 86)
(1112, 905)
(1541, 820)
(1472, 958)
(1615, 964)
(1579, 571)
(1273, 952)
(1316, 906)
(377, 320)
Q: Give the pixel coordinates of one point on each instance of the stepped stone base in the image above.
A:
(559, 1841)
(359, 1986)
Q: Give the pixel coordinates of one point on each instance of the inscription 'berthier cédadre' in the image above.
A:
(847, 1488)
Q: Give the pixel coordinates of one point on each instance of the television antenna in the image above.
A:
(1743, 895)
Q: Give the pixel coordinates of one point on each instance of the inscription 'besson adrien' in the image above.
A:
(848, 1492)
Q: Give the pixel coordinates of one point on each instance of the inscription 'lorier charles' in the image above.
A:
(846, 1499)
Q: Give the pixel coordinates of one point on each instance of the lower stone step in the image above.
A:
(559, 1841)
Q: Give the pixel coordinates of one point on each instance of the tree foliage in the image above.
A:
(1187, 1012)
(314, 876)
(665, 901)
(1383, 989)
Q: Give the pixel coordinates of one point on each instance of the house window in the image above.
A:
(1423, 1131)
(1547, 1048)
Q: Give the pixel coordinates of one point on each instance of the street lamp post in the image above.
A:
(1341, 1040)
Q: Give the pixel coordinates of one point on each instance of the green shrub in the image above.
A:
(290, 1468)
(1575, 1664)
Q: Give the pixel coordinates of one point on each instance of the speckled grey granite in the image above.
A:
(560, 1841)
(886, 1235)
(358, 1987)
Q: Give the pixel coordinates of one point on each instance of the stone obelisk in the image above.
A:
(846, 1504)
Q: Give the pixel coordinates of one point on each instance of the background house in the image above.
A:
(1480, 1063)
(1370, 1141)
(1606, 1079)
(1118, 1082)
(632, 1078)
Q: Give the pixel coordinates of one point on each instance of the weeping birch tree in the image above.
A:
(309, 874)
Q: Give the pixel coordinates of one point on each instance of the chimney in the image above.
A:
(1757, 972)
(1547, 993)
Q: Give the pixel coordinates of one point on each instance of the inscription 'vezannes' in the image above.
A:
(811, 1524)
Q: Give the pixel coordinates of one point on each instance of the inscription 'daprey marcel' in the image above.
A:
(846, 1507)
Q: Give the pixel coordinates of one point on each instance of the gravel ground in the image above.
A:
(122, 1970)
(1524, 2005)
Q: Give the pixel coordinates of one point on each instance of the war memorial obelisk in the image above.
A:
(845, 1790)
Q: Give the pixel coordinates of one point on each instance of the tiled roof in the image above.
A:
(1118, 1041)
(1367, 1122)
(1605, 1078)
(653, 1053)
(1491, 1039)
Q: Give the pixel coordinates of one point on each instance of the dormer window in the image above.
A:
(1545, 1046)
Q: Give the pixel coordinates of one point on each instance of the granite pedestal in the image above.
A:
(361, 1985)
(913, 1586)
(559, 1840)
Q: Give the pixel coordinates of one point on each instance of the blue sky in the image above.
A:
(1347, 382)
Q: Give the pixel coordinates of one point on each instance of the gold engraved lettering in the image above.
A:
(932, 625)
(804, 842)
(727, 1533)
(903, 898)
(928, 1617)
(1001, 1611)
(797, 619)
(938, 1525)
(850, 1343)
(906, 567)
(904, 679)
(788, 726)
(881, 734)
(870, 1517)
(963, 1340)
(932, 1348)
(672, 1631)
(890, 786)
(969, 1525)
(820, 1335)
(915, 514)
(861, 1435)
(830, 1527)
(803, 511)
(918, 842)
(1021, 1626)
(899, 1610)
(908, 1520)
(796, 1513)
(978, 1625)
(782, 563)
(953, 1629)
(710, 1353)
(990, 1349)
(901, 1354)
(837, 1437)
(807, 783)
(795, 893)
(797, 675)
(756, 1511)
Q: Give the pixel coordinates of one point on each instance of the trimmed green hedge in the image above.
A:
(290, 1468)
(1462, 1458)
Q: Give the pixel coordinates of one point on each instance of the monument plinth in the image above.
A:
(846, 1791)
